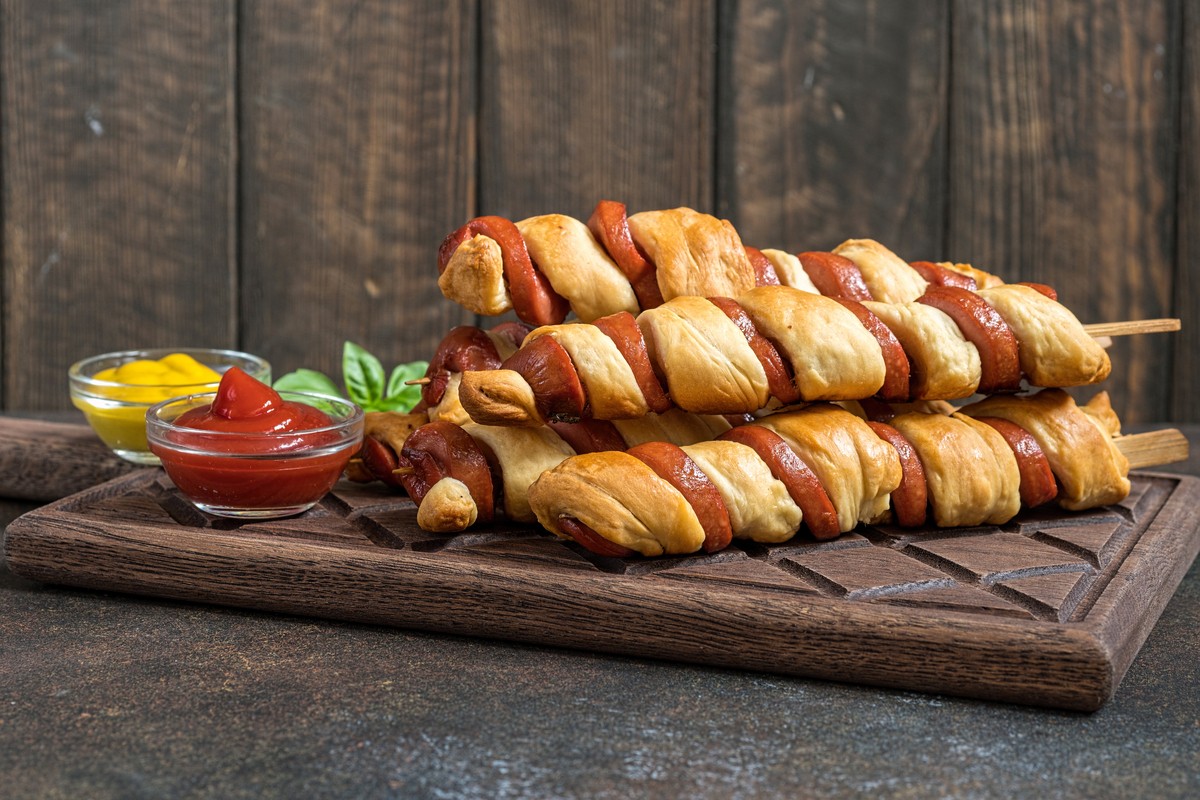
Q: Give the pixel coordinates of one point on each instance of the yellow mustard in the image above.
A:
(118, 413)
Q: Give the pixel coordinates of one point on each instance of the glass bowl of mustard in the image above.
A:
(114, 390)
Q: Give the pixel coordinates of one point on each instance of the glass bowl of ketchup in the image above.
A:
(249, 451)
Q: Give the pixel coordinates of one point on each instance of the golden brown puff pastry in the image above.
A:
(1100, 409)
(390, 427)
(983, 280)
(896, 409)
(694, 254)
(611, 387)
(790, 271)
(447, 507)
(1008, 498)
(522, 454)
(945, 366)
(708, 365)
(450, 408)
(675, 426)
(617, 493)
(577, 266)
(887, 275)
(498, 397)
(832, 355)
(1053, 347)
(965, 483)
(857, 469)
(1090, 469)
(474, 277)
(759, 506)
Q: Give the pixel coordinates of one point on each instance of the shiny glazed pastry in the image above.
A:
(837, 469)
(547, 266)
(776, 346)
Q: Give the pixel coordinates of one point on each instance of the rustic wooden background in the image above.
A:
(276, 175)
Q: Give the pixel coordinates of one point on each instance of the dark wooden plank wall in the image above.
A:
(277, 175)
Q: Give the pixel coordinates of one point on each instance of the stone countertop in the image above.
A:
(110, 696)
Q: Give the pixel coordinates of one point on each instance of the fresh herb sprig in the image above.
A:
(367, 383)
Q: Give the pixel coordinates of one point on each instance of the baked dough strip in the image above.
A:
(548, 264)
(708, 364)
(973, 475)
(617, 503)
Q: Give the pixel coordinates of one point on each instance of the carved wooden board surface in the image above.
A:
(1049, 609)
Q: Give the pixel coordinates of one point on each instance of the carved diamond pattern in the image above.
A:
(1042, 565)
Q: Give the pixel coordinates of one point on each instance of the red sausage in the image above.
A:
(610, 226)
(764, 270)
(835, 276)
(442, 449)
(677, 468)
(590, 435)
(789, 469)
(1038, 485)
(533, 298)
(591, 540)
(464, 348)
(549, 371)
(779, 373)
(937, 275)
(983, 327)
(622, 329)
(897, 369)
(1041, 288)
(910, 500)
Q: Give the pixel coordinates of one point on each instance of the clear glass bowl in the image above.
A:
(255, 475)
(117, 411)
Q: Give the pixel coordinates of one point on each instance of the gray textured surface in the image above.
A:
(108, 696)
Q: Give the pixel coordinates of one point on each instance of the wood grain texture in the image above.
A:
(49, 460)
(357, 136)
(118, 183)
(1185, 399)
(587, 101)
(833, 123)
(1048, 611)
(1063, 166)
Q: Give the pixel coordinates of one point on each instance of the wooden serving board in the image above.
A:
(1049, 609)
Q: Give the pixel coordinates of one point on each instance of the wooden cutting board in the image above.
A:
(1049, 609)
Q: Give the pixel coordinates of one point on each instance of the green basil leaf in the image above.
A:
(307, 380)
(364, 376)
(402, 373)
(403, 402)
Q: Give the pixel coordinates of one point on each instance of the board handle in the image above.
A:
(43, 461)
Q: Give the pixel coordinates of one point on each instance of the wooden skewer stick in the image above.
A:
(1153, 448)
(1132, 327)
(418, 382)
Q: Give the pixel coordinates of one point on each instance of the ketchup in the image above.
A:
(251, 450)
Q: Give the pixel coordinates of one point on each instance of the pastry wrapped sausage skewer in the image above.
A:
(963, 468)
(461, 475)
(464, 348)
(826, 467)
(777, 345)
(546, 265)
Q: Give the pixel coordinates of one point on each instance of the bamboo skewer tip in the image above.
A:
(1153, 448)
(1133, 327)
